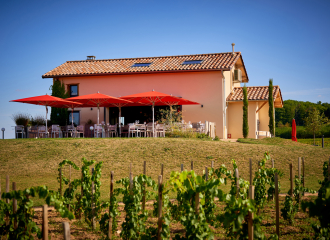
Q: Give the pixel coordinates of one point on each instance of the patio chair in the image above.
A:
(197, 127)
(124, 130)
(142, 129)
(149, 129)
(42, 131)
(112, 129)
(98, 130)
(69, 130)
(19, 129)
(32, 132)
(80, 130)
(160, 130)
(132, 130)
(56, 130)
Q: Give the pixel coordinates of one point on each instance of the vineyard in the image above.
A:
(196, 204)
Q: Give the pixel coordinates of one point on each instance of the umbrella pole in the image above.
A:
(153, 119)
(72, 119)
(119, 121)
(46, 122)
(98, 114)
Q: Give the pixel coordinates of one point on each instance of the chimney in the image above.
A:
(233, 44)
(90, 57)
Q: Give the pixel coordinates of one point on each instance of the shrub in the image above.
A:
(21, 119)
(38, 120)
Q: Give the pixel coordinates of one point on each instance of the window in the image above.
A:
(192, 62)
(76, 118)
(141, 65)
(73, 90)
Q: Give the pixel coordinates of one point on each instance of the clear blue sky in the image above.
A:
(284, 40)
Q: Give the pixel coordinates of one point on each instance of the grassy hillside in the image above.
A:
(32, 162)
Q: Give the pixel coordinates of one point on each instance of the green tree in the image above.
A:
(59, 115)
(245, 113)
(271, 108)
(314, 121)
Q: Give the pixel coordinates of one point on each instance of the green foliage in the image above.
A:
(320, 208)
(169, 116)
(264, 177)
(21, 119)
(26, 227)
(245, 113)
(291, 205)
(314, 121)
(59, 115)
(134, 226)
(271, 124)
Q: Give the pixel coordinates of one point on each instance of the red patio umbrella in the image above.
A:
(48, 101)
(154, 98)
(294, 131)
(97, 100)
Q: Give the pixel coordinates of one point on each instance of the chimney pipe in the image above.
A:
(233, 44)
(90, 57)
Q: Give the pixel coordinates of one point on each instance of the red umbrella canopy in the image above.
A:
(47, 100)
(97, 99)
(294, 131)
(157, 98)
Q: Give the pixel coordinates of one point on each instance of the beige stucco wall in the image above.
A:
(202, 87)
(235, 119)
(263, 117)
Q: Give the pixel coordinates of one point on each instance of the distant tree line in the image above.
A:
(299, 111)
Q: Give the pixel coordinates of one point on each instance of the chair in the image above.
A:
(56, 130)
(124, 130)
(112, 129)
(32, 132)
(197, 127)
(132, 129)
(80, 130)
(69, 129)
(42, 131)
(149, 129)
(142, 129)
(160, 130)
(98, 130)
(19, 129)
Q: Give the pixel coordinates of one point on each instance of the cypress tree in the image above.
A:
(271, 108)
(245, 113)
(59, 115)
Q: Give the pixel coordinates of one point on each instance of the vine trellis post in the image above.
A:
(45, 222)
(144, 185)
(111, 194)
(160, 204)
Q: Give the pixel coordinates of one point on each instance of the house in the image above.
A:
(213, 80)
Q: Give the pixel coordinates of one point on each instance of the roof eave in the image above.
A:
(128, 73)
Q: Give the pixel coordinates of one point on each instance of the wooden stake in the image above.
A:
(212, 164)
(66, 230)
(303, 174)
(93, 204)
(277, 206)
(70, 174)
(329, 170)
(14, 205)
(250, 222)
(0, 188)
(299, 174)
(192, 165)
(7, 187)
(61, 181)
(237, 182)
(273, 163)
(197, 203)
(82, 191)
(162, 170)
(160, 205)
(144, 191)
(291, 180)
(111, 194)
(251, 172)
(45, 222)
(206, 174)
(181, 167)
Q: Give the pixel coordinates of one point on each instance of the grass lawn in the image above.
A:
(34, 162)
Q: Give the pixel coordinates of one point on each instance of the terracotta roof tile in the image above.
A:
(254, 93)
(213, 61)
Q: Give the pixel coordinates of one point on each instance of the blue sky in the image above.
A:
(284, 40)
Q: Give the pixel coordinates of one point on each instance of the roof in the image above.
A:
(211, 62)
(256, 94)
